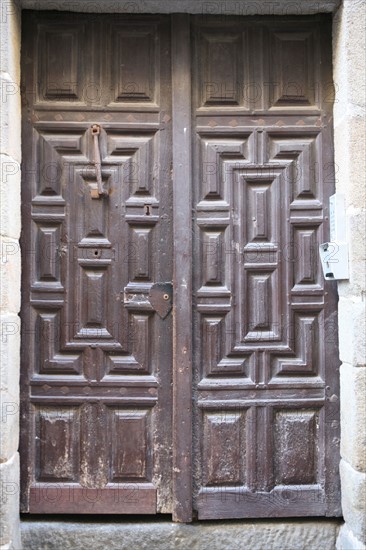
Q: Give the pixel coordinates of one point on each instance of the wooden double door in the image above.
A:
(179, 342)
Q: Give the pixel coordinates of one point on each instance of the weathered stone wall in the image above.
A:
(10, 157)
(349, 61)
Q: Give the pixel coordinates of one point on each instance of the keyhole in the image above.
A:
(147, 210)
(96, 253)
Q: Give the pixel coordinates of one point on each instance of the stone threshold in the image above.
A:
(94, 533)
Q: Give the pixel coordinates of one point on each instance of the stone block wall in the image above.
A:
(10, 158)
(349, 62)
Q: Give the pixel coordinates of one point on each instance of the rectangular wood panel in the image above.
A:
(130, 448)
(224, 444)
(296, 443)
(58, 443)
(293, 68)
(134, 67)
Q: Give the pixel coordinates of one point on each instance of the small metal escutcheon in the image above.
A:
(161, 297)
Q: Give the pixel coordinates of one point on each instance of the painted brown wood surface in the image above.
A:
(217, 163)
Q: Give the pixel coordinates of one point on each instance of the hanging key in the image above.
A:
(97, 162)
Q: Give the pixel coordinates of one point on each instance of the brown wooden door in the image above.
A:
(265, 359)
(106, 406)
(97, 356)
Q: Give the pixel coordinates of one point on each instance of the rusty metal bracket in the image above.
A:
(95, 130)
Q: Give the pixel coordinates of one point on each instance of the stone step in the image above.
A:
(151, 534)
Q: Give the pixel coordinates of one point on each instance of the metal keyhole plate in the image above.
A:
(160, 297)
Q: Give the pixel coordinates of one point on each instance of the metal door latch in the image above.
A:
(101, 192)
(158, 297)
(161, 297)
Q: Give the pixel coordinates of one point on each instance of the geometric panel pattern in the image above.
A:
(262, 369)
(97, 361)
(269, 259)
(260, 305)
(97, 368)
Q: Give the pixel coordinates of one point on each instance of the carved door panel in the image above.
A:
(265, 361)
(131, 126)
(97, 354)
